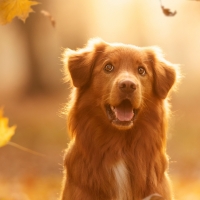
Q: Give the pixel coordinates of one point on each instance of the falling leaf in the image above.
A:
(5, 132)
(48, 15)
(10, 9)
(167, 11)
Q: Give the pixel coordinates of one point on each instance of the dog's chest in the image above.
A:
(122, 181)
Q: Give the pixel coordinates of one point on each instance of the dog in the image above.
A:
(117, 120)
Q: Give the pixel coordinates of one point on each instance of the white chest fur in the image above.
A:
(122, 181)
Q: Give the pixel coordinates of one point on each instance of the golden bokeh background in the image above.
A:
(33, 94)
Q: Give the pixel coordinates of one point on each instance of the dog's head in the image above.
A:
(119, 79)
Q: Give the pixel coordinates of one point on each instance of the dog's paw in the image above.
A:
(154, 197)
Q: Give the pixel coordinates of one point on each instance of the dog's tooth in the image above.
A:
(112, 108)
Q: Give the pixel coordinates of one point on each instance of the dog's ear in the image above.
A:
(165, 73)
(79, 64)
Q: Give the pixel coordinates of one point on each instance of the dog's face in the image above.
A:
(120, 79)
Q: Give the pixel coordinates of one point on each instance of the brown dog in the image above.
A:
(117, 119)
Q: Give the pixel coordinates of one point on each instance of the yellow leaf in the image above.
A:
(5, 132)
(10, 9)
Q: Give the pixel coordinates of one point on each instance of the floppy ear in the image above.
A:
(79, 64)
(165, 73)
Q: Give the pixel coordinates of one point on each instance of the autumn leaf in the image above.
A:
(167, 11)
(5, 132)
(10, 9)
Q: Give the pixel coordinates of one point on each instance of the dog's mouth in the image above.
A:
(121, 115)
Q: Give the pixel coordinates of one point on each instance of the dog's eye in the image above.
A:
(108, 68)
(141, 71)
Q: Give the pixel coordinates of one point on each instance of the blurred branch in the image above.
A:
(26, 149)
(49, 16)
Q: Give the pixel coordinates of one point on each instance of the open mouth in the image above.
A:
(121, 115)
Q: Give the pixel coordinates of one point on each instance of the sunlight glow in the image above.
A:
(118, 1)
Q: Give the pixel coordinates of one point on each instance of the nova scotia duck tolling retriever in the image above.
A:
(117, 120)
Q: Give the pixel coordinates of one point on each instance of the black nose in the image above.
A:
(127, 86)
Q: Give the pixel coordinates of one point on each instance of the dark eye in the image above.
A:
(141, 71)
(108, 68)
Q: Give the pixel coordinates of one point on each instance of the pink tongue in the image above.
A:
(124, 112)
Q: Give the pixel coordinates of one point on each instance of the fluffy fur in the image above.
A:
(109, 159)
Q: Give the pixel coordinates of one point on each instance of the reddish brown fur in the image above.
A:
(97, 146)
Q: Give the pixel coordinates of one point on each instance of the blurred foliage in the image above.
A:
(10, 9)
(22, 8)
(30, 188)
(6, 132)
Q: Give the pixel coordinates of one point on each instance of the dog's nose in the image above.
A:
(127, 86)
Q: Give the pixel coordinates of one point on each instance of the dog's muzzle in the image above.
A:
(121, 115)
